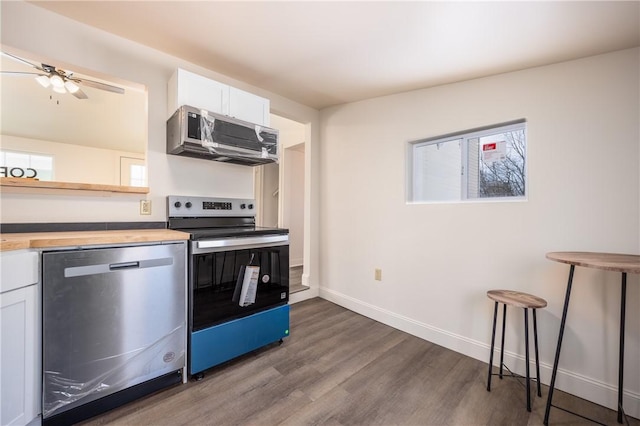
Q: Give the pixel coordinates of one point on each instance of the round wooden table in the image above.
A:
(623, 263)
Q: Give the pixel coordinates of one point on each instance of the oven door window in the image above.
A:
(231, 284)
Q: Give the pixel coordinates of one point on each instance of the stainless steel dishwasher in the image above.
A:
(114, 327)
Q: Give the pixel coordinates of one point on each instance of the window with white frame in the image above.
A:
(133, 172)
(477, 164)
(138, 175)
(26, 165)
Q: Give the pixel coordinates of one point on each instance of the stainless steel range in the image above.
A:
(238, 278)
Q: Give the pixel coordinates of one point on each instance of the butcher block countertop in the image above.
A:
(83, 238)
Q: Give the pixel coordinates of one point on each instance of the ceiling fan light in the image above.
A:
(71, 86)
(57, 81)
(43, 80)
(59, 89)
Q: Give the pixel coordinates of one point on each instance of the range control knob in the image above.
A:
(188, 204)
(250, 206)
(243, 206)
(177, 204)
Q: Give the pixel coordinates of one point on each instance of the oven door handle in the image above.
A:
(234, 242)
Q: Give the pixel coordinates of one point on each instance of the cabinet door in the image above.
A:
(248, 107)
(187, 88)
(18, 268)
(19, 363)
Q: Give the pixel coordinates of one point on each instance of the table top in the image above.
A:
(517, 298)
(629, 263)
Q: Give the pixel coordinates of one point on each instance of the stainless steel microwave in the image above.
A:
(201, 134)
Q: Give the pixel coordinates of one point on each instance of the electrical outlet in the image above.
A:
(378, 274)
(145, 206)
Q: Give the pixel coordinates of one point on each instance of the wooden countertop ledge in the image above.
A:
(83, 238)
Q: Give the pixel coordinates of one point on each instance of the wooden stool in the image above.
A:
(520, 300)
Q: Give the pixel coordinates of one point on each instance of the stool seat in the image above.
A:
(517, 298)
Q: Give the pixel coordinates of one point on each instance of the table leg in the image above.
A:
(504, 319)
(535, 342)
(493, 339)
(623, 300)
(526, 357)
(560, 335)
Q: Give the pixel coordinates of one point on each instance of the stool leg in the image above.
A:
(526, 356)
(535, 341)
(493, 340)
(504, 317)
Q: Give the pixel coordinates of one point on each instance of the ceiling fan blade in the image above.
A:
(21, 74)
(101, 86)
(80, 94)
(23, 61)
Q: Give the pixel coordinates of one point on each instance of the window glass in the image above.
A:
(497, 165)
(482, 163)
(24, 164)
(133, 172)
(439, 168)
(137, 175)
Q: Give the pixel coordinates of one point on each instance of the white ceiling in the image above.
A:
(327, 53)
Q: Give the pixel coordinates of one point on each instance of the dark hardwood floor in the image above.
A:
(340, 368)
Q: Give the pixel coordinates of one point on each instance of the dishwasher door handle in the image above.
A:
(124, 265)
(106, 268)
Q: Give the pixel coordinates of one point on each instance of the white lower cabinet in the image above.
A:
(20, 346)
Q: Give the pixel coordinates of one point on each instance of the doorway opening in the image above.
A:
(280, 192)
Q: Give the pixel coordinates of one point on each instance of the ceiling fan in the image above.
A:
(60, 81)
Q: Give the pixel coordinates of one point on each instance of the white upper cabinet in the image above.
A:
(187, 88)
(248, 107)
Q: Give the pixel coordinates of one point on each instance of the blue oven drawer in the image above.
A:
(220, 343)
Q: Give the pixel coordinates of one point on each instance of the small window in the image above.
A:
(26, 165)
(133, 172)
(138, 175)
(477, 164)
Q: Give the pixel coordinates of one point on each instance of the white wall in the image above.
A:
(270, 195)
(293, 214)
(292, 184)
(438, 260)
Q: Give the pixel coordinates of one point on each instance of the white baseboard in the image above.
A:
(575, 384)
(300, 296)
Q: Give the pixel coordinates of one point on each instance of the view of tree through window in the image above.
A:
(485, 163)
(504, 178)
